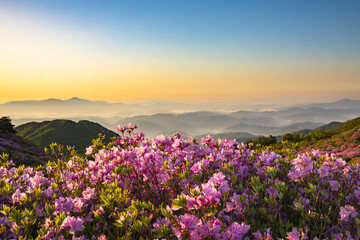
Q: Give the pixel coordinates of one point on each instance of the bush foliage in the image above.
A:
(6, 126)
(168, 188)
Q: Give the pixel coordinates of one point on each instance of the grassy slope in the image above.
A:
(65, 132)
(341, 139)
(344, 144)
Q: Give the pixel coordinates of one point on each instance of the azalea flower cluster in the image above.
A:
(174, 188)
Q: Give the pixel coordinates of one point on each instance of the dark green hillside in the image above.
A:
(323, 132)
(65, 132)
(330, 126)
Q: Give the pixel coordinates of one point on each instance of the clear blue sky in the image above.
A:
(189, 37)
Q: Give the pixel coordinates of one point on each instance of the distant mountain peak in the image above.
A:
(52, 99)
(77, 99)
(345, 103)
(346, 100)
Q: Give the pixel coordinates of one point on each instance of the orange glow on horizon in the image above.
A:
(39, 62)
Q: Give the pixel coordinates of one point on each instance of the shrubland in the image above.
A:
(174, 188)
(341, 139)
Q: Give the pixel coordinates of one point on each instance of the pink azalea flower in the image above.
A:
(236, 231)
(102, 237)
(323, 171)
(210, 192)
(297, 235)
(118, 128)
(88, 193)
(48, 235)
(160, 222)
(296, 175)
(17, 196)
(219, 179)
(316, 153)
(293, 235)
(79, 238)
(334, 185)
(79, 203)
(347, 212)
(197, 167)
(48, 192)
(73, 224)
(35, 181)
(214, 227)
(265, 236)
(188, 221)
(89, 150)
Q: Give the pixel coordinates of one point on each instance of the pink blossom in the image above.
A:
(219, 179)
(207, 229)
(347, 212)
(334, 185)
(188, 221)
(102, 237)
(48, 235)
(214, 227)
(339, 162)
(323, 171)
(72, 223)
(197, 167)
(316, 153)
(236, 231)
(17, 196)
(357, 193)
(160, 222)
(79, 238)
(210, 191)
(265, 236)
(297, 175)
(63, 205)
(293, 235)
(303, 162)
(35, 181)
(48, 192)
(79, 203)
(192, 204)
(89, 150)
(119, 128)
(88, 193)
(297, 235)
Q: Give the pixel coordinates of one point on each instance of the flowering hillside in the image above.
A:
(168, 188)
(345, 145)
(20, 150)
(343, 140)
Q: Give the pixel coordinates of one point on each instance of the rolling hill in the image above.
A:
(160, 117)
(268, 130)
(65, 132)
(341, 139)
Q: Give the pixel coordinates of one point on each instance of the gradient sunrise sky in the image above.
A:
(180, 50)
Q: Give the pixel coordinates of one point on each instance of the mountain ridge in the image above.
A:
(62, 131)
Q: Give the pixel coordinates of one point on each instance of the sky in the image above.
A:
(189, 51)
